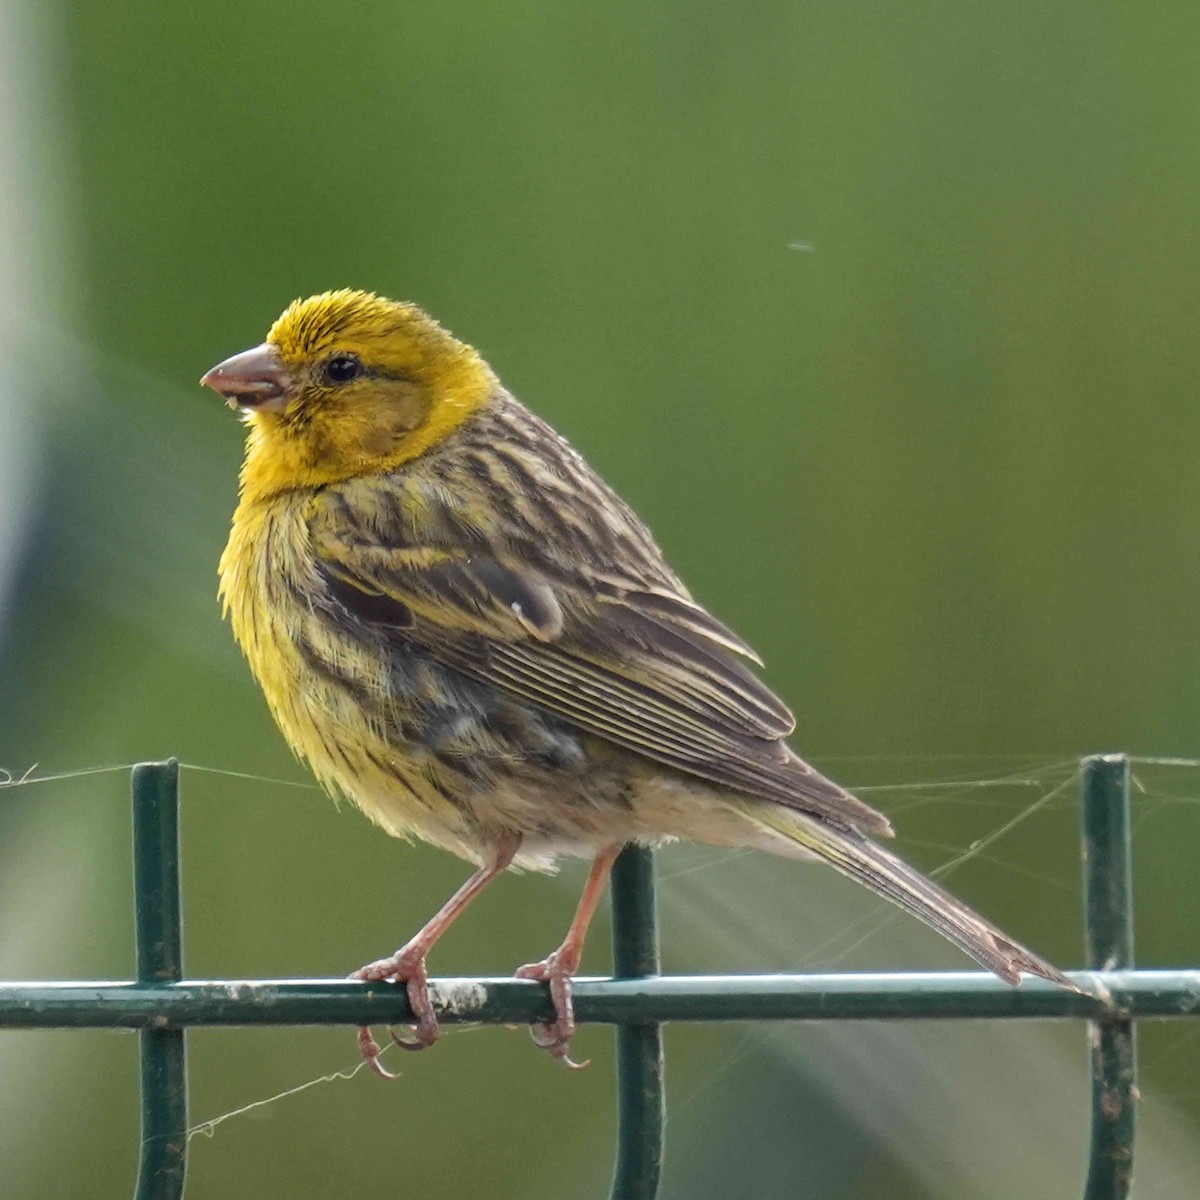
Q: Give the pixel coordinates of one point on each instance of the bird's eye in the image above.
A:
(342, 368)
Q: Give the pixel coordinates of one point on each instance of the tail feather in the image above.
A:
(853, 854)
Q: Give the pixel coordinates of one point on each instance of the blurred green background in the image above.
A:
(882, 316)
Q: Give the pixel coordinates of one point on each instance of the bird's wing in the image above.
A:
(641, 666)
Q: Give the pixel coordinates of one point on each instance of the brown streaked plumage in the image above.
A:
(462, 628)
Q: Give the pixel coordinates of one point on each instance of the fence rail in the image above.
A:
(637, 1000)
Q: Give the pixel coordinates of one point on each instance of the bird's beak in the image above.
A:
(253, 379)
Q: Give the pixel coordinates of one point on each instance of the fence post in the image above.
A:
(641, 1110)
(1108, 926)
(158, 911)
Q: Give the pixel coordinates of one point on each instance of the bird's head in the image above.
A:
(348, 383)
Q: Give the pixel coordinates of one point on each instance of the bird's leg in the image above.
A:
(407, 965)
(557, 969)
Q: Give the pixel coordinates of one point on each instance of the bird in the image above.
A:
(461, 628)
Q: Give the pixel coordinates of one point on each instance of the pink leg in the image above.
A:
(407, 965)
(557, 969)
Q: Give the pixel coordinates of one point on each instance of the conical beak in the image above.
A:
(253, 379)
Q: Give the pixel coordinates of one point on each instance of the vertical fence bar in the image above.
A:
(1108, 917)
(157, 910)
(640, 1098)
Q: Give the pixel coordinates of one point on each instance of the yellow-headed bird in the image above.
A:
(460, 626)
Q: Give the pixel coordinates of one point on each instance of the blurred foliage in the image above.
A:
(882, 316)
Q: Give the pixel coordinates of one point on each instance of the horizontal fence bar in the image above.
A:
(883, 996)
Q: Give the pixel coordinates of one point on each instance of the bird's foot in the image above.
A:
(406, 966)
(555, 1036)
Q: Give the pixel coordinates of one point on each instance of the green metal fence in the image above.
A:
(637, 1000)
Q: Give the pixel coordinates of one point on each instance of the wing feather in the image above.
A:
(643, 667)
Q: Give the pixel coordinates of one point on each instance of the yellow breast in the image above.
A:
(325, 688)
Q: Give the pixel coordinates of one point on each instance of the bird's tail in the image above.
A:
(856, 856)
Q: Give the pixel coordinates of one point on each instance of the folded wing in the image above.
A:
(641, 666)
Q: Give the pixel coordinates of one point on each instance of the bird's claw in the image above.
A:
(550, 1037)
(409, 969)
(417, 1036)
(370, 1050)
(555, 1036)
